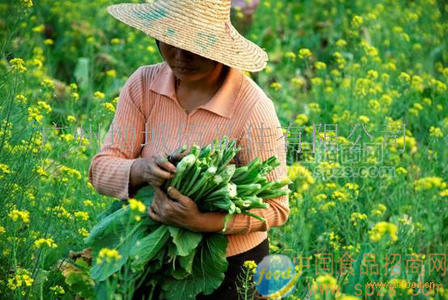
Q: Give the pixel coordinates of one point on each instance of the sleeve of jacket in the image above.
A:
(263, 137)
(110, 168)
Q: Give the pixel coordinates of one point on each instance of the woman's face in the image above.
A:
(186, 66)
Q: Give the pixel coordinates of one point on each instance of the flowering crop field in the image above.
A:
(360, 88)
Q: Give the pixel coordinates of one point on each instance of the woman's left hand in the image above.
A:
(180, 212)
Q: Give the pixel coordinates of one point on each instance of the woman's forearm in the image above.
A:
(135, 179)
(210, 221)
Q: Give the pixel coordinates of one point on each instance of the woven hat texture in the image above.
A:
(202, 27)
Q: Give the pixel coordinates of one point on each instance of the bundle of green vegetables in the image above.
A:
(131, 247)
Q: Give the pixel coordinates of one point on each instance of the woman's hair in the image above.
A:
(158, 44)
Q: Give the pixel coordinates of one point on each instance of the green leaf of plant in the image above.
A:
(149, 246)
(107, 232)
(186, 262)
(209, 266)
(185, 240)
(102, 271)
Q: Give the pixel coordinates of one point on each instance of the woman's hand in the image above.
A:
(175, 209)
(153, 170)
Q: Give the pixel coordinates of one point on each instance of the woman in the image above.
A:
(197, 94)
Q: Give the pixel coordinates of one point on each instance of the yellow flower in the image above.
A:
(319, 65)
(47, 82)
(48, 42)
(304, 53)
(82, 215)
(427, 101)
(24, 215)
(250, 265)
(401, 170)
(115, 41)
(21, 98)
(276, 85)
(290, 55)
(364, 119)
(320, 197)
(428, 183)
(27, 3)
(18, 64)
(136, 205)
(341, 195)
(109, 106)
(151, 49)
(22, 277)
(327, 281)
(4, 169)
(75, 96)
(71, 119)
(324, 207)
(317, 81)
(57, 289)
(347, 297)
(357, 21)
(87, 203)
(301, 119)
(357, 216)
(298, 81)
(381, 208)
(82, 231)
(42, 105)
(39, 28)
(404, 77)
(111, 73)
(382, 228)
(297, 171)
(99, 95)
(314, 107)
(108, 255)
(45, 242)
(341, 43)
(70, 172)
(73, 87)
(372, 74)
(435, 132)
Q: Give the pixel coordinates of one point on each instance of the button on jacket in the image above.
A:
(150, 120)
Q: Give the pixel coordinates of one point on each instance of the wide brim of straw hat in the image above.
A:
(203, 28)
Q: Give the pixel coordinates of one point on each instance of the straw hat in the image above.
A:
(202, 27)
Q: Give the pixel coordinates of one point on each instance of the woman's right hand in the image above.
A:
(153, 170)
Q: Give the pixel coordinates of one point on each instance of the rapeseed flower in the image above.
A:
(356, 216)
(23, 215)
(99, 95)
(21, 278)
(428, 183)
(435, 132)
(48, 242)
(137, 206)
(250, 265)
(108, 255)
(381, 228)
(18, 64)
(304, 53)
